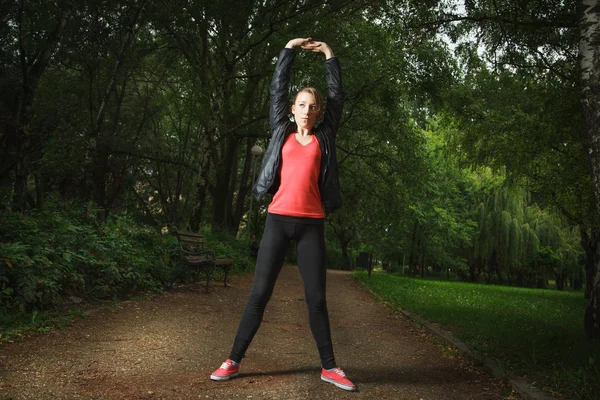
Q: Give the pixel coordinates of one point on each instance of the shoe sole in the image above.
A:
(224, 378)
(340, 385)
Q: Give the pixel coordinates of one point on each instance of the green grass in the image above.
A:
(539, 333)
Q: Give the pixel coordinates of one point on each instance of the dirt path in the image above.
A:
(166, 348)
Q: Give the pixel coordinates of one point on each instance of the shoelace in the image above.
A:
(340, 373)
(226, 365)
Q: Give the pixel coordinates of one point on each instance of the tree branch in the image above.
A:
(569, 22)
(22, 55)
(159, 159)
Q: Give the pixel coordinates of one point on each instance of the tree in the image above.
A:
(589, 64)
(37, 41)
(549, 44)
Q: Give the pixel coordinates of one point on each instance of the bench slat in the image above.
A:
(186, 233)
(191, 239)
(187, 239)
(224, 261)
(197, 259)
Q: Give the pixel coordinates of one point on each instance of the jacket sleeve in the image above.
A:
(335, 95)
(279, 89)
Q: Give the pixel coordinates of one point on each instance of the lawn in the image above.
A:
(533, 332)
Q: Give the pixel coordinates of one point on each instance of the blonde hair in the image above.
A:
(318, 99)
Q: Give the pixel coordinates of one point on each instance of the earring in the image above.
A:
(291, 117)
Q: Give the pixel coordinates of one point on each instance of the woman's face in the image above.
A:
(305, 110)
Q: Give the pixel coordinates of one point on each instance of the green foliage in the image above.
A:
(524, 119)
(52, 256)
(225, 245)
(166, 124)
(537, 332)
(522, 240)
(60, 251)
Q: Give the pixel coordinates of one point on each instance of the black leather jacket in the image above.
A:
(329, 183)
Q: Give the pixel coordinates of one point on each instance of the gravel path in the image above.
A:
(166, 347)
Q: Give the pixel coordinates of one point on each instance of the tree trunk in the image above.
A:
(196, 218)
(499, 274)
(99, 143)
(22, 170)
(201, 190)
(229, 206)
(40, 190)
(560, 279)
(489, 272)
(589, 245)
(219, 217)
(577, 281)
(32, 72)
(99, 176)
(8, 147)
(472, 269)
(589, 58)
(129, 35)
(494, 267)
(345, 256)
(412, 258)
(244, 188)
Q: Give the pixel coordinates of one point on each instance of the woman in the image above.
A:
(300, 169)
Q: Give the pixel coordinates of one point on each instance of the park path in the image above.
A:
(165, 347)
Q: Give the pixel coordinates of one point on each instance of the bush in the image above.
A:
(225, 245)
(334, 258)
(61, 251)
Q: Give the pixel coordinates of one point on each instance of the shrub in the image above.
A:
(225, 245)
(61, 251)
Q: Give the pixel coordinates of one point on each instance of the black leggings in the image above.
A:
(309, 234)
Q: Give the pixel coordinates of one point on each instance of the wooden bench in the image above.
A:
(194, 255)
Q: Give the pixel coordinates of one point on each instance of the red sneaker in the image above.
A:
(226, 371)
(338, 378)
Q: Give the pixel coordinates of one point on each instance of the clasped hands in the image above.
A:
(311, 45)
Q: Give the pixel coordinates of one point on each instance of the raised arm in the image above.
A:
(279, 89)
(335, 92)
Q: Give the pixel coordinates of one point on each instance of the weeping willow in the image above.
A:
(565, 245)
(511, 234)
